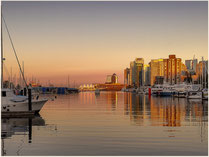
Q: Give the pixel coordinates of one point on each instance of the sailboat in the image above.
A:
(12, 104)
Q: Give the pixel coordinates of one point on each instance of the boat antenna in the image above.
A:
(14, 51)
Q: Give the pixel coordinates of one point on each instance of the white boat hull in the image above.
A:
(194, 95)
(180, 94)
(22, 106)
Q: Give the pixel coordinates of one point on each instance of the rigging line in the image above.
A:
(15, 52)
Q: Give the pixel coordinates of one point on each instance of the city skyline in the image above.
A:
(89, 40)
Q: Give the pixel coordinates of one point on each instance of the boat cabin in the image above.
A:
(7, 93)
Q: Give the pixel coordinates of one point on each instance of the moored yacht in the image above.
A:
(180, 90)
(11, 103)
(165, 92)
(162, 90)
(194, 94)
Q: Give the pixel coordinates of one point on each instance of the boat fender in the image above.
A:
(37, 97)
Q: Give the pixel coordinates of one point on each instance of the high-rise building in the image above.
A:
(147, 75)
(194, 64)
(132, 77)
(191, 65)
(172, 69)
(188, 64)
(114, 78)
(126, 76)
(139, 72)
(111, 79)
(184, 72)
(202, 73)
(183, 67)
(136, 72)
(156, 70)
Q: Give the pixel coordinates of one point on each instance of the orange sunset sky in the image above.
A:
(89, 40)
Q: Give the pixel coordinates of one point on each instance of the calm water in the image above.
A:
(112, 123)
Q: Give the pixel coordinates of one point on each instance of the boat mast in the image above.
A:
(15, 53)
(205, 75)
(22, 81)
(202, 75)
(68, 82)
(1, 49)
(11, 79)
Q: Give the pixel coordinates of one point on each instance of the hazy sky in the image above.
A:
(89, 40)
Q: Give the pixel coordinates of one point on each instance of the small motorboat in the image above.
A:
(194, 94)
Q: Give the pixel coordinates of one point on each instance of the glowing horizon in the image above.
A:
(89, 40)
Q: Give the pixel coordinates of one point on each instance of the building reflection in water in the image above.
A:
(158, 111)
(110, 99)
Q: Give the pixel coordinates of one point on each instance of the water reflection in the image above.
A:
(12, 126)
(171, 112)
(19, 126)
(108, 98)
(111, 100)
(112, 123)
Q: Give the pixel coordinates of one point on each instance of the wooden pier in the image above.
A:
(17, 114)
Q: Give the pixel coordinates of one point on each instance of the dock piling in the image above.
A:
(25, 93)
(29, 100)
(30, 130)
